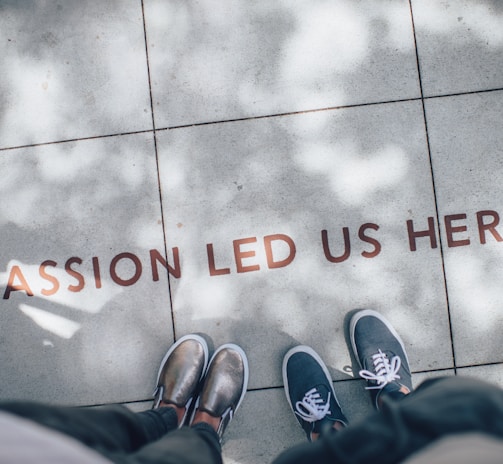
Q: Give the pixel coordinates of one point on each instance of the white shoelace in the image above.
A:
(312, 407)
(386, 371)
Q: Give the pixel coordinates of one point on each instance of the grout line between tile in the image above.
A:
(280, 387)
(458, 94)
(437, 214)
(250, 118)
(466, 366)
(328, 108)
(157, 169)
(290, 113)
(78, 139)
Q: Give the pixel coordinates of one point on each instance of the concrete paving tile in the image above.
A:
(460, 45)
(467, 143)
(246, 204)
(490, 373)
(71, 69)
(210, 63)
(420, 377)
(78, 221)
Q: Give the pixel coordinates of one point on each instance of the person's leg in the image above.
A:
(451, 405)
(383, 361)
(310, 393)
(199, 444)
(397, 429)
(123, 436)
(111, 429)
(311, 452)
(158, 422)
(116, 430)
(384, 364)
(221, 395)
(437, 408)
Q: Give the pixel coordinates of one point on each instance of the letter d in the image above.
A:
(271, 263)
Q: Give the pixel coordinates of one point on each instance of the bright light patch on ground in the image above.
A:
(58, 325)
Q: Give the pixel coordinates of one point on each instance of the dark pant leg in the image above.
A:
(126, 437)
(439, 407)
(108, 430)
(189, 445)
(157, 422)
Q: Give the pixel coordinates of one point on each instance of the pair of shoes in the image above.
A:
(188, 379)
(309, 387)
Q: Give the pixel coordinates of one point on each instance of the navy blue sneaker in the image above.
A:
(310, 392)
(381, 354)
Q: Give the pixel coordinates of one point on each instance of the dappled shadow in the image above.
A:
(268, 58)
(461, 39)
(77, 207)
(79, 69)
(71, 69)
(300, 175)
